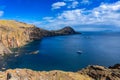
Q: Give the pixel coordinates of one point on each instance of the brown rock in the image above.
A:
(116, 66)
(101, 73)
(25, 74)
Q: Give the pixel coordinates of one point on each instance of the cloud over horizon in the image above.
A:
(55, 14)
(105, 14)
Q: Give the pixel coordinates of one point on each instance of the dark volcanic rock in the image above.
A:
(101, 73)
(65, 31)
(38, 33)
(116, 66)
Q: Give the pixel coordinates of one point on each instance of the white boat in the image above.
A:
(79, 52)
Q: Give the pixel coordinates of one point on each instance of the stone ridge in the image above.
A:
(38, 33)
(93, 72)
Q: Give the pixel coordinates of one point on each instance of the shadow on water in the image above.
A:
(18, 53)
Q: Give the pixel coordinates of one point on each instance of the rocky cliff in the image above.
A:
(16, 34)
(102, 73)
(89, 73)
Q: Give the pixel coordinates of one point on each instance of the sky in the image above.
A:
(82, 15)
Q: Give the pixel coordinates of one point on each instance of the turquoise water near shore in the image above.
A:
(60, 52)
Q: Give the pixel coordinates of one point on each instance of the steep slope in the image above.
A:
(38, 33)
(12, 33)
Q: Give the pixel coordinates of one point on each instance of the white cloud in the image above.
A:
(112, 7)
(74, 4)
(1, 13)
(105, 14)
(58, 5)
(70, 15)
(85, 2)
(69, 0)
(48, 19)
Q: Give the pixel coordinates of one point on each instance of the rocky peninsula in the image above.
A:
(15, 34)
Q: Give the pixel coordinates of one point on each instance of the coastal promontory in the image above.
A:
(14, 34)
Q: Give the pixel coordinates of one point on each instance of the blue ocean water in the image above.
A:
(60, 52)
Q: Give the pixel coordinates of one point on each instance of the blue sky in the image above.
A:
(83, 15)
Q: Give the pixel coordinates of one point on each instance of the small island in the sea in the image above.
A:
(59, 40)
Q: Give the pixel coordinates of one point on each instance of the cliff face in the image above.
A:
(12, 34)
(16, 34)
(89, 73)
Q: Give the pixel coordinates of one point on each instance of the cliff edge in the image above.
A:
(90, 73)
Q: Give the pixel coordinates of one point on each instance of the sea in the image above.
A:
(69, 52)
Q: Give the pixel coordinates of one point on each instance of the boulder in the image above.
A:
(101, 73)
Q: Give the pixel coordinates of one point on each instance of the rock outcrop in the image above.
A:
(25, 74)
(90, 73)
(16, 34)
(102, 73)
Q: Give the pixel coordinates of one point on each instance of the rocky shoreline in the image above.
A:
(93, 72)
